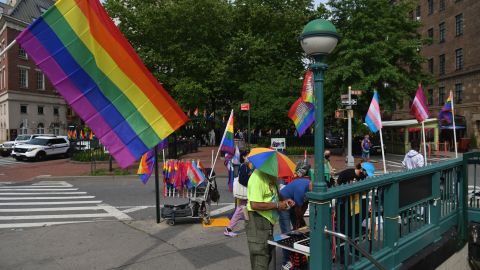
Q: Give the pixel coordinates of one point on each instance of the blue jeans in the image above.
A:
(286, 219)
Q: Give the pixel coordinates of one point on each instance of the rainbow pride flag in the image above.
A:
(145, 167)
(308, 86)
(98, 73)
(195, 175)
(446, 111)
(302, 114)
(227, 144)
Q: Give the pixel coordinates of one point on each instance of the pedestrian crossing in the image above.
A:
(8, 161)
(49, 203)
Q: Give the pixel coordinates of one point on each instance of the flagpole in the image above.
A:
(424, 143)
(157, 191)
(220, 146)
(8, 47)
(383, 153)
(164, 182)
(454, 127)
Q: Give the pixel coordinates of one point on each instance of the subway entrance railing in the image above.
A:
(396, 215)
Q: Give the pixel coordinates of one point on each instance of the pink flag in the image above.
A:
(419, 106)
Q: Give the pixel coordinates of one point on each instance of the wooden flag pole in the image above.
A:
(454, 128)
(383, 152)
(424, 143)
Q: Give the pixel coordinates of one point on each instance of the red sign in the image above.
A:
(245, 106)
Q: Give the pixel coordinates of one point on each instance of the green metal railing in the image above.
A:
(396, 215)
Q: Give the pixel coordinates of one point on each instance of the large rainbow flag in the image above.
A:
(227, 144)
(97, 71)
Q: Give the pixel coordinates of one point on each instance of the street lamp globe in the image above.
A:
(319, 37)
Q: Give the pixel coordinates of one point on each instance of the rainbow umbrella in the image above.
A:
(271, 162)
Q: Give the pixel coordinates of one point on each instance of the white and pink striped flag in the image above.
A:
(419, 106)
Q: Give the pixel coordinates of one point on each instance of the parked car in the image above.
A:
(42, 147)
(7, 147)
(333, 140)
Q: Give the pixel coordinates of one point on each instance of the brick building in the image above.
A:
(28, 101)
(453, 58)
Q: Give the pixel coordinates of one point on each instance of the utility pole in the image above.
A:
(350, 160)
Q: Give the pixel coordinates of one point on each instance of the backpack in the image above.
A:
(244, 174)
(366, 144)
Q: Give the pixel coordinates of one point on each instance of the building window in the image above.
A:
(69, 112)
(459, 59)
(459, 25)
(458, 93)
(418, 13)
(55, 110)
(40, 128)
(441, 31)
(23, 77)
(430, 7)
(430, 65)
(23, 129)
(442, 5)
(22, 53)
(430, 97)
(40, 80)
(441, 64)
(430, 33)
(56, 129)
(40, 110)
(23, 109)
(441, 96)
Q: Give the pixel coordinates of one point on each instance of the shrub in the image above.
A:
(473, 142)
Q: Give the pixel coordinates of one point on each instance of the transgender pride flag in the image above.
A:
(373, 118)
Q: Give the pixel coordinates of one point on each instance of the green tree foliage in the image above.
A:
(379, 49)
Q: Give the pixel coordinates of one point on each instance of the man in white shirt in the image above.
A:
(413, 159)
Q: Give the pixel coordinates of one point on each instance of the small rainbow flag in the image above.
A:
(98, 73)
(446, 112)
(308, 86)
(145, 168)
(302, 114)
(227, 143)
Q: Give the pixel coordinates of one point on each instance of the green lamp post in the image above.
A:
(318, 39)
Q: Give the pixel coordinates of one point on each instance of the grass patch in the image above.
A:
(116, 171)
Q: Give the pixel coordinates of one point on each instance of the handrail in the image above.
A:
(382, 180)
(364, 253)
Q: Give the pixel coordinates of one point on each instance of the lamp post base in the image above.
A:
(350, 161)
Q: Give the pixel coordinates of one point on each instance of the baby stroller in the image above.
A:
(198, 203)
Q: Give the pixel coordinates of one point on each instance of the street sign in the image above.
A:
(245, 106)
(345, 96)
(357, 92)
(352, 102)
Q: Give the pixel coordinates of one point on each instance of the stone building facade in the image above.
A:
(453, 58)
(28, 101)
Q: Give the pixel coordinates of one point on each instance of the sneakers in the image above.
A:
(287, 266)
(229, 233)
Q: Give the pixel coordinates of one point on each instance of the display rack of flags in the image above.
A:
(181, 178)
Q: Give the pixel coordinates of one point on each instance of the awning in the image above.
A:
(451, 127)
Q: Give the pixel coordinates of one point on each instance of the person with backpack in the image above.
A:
(240, 193)
(366, 145)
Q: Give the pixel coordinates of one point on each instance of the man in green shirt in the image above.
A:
(263, 206)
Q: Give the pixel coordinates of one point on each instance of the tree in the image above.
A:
(378, 49)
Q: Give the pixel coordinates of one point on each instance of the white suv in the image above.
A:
(7, 147)
(41, 147)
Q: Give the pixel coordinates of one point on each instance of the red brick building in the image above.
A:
(453, 58)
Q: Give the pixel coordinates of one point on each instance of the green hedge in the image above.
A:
(297, 151)
(88, 155)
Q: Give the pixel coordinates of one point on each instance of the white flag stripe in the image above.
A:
(39, 224)
(43, 193)
(45, 198)
(51, 203)
(420, 108)
(37, 189)
(50, 209)
(56, 216)
(34, 187)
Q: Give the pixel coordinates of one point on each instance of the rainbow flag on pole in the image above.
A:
(302, 114)
(98, 73)
(145, 167)
(446, 112)
(227, 144)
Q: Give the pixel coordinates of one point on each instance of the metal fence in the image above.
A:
(394, 216)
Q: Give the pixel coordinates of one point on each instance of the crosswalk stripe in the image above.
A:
(37, 189)
(115, 212)
(33, 187)
(42, 193)
(50, 209)
(50, 203)
(38, 224)
(56, 216)
(45, 198)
